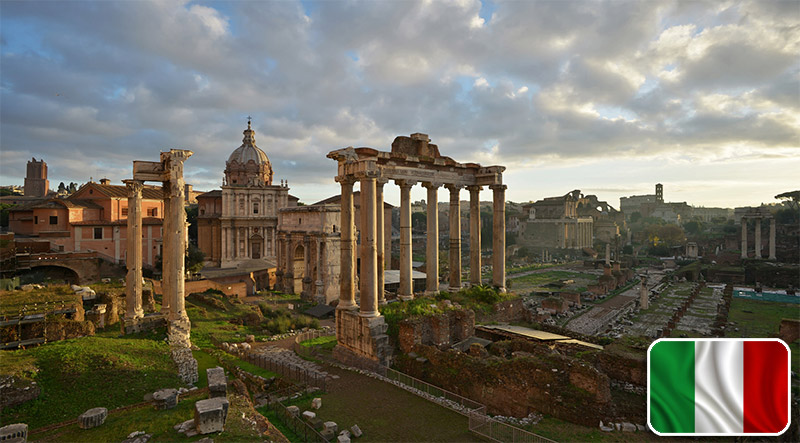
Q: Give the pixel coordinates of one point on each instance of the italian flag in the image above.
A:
(718, 386)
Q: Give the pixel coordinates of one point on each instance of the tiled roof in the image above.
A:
(210, 194)
(338, 199)
(117, 191)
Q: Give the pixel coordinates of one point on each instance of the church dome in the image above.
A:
(248, 165)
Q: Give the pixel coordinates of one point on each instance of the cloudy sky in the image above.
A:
(606, 97)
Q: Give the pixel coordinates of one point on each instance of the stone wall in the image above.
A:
(507, 311)
(239, 289)
(551, 384)
(362, 341)
(441, 331)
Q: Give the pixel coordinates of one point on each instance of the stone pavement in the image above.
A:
(288, 358)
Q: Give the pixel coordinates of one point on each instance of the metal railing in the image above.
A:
(495, 430)
(301, 429)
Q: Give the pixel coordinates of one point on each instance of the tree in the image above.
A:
(636, 216)
(4, 208)
(191, 218)
(194, 258)
(693, 227)
(792, 199)
(419, 221)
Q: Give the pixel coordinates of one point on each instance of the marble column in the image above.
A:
(455, 237)
(772, 239)
(406, 290)
(347, 295)
(744, 237)
(608, 254)
(499, 236)
(432, 245)
(320, 271)
(379, 238)
(178, 230)
(644, 301)
(308, 264)
(133, 257)
(758, 239)
(166, 245)
(474, 235)
(369, 250)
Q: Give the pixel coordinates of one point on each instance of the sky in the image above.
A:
(606, 97)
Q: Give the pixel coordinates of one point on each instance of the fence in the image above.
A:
(303, 430)
(479, 422)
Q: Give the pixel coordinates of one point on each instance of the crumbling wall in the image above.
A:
(507, 311)
(441, 331)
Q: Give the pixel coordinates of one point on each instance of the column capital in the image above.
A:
(453, 188)
(135, 186)
(473, 188)
(380, 181)
(345, 179)
(408, 184)
(498, 187)
(431, 185)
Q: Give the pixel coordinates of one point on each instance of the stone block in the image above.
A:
(17, 432)
(327, 435)
(355, 431)
(308, 415)
(628, 427)
(316, 423)
(316, 403)
(343, 439)
(92, 418)
(165, 398)
(330, 426)
(217, 383)
(250, 338)
(210, 415)
(293, 411)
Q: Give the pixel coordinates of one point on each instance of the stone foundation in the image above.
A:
(186, 363)
(441, 331)
(146, 323)
(362, 338)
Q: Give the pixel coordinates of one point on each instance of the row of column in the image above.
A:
(372, 242)
(230, 247)
(758, 238)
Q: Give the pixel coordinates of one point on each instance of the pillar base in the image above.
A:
(346, 306)
(363, 338)
(405, 297)
(454, 288)
(369, 314)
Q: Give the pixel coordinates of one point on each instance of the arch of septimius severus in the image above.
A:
(360, 328)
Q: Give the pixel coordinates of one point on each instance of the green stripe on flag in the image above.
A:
(672, 386)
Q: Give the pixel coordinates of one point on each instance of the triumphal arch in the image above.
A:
(360, 329)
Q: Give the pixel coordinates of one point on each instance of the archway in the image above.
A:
(38, 274)
(256, 246)
(299, 268)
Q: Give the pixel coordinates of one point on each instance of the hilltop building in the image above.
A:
(554, 222)
(36, 183)
(653, 205)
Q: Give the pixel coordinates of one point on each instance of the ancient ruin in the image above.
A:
(360, 328)
(758, 215)
(168, 171)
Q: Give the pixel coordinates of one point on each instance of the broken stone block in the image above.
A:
(14, 432)
(293, 411)
(250, 338)
(137, 437)
(355, 431)
(628, 427)
(308, 415)
(209, 415)
(327, 435)
(316, 423)
(343, 439)
(92, 418)
(316, 403)
(165, 398)
(330, 426)
(217, 383)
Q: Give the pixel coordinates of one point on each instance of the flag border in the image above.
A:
(694, 434)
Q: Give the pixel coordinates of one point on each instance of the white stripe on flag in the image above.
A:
(719, 387)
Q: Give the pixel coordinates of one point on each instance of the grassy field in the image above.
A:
(530, 282)
(756, 318)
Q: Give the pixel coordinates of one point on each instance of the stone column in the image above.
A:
(474, 235)
(166, 245)
(644, 301)
(432, 245)
(177, 216)
(608, 254)
(744, 237)
(288, 277)
(308, 264)
(320, 271)
(133, 257)
(406, 290)
(369, 250)
(347, 295)
(379, 238)
(499, 236)
(455, 237)
(772, 239)
(758, 239)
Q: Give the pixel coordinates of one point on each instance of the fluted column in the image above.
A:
(744, 237)
(474, 235)
(369, 250)
(406, 290)
(347, 295)
(379, 238)
(432, 246)
(758, 239)
(499, 236)
(772, 239)
(166, 245)
(178, 230)
(455, 237)
(133, 257)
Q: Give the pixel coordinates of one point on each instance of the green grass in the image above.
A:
(326, 342)
(11, 302)
(79, 374)
(540, 280)
(229, 361)
(756, 318)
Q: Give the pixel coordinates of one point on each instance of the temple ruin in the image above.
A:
(169, 171)
(758, 215)
(360, 328)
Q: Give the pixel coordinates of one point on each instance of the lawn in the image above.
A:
(540, 281)
(756, 318)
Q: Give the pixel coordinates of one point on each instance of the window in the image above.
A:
(98, 233)
(152, 212)
(53, 219)
(255, 208)
(35, 219)
(124, 212)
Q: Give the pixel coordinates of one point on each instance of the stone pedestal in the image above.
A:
(165, 398)
(217, 383)
(210, 415)
(362, 340)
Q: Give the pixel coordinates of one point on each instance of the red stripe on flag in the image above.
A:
(766, 389)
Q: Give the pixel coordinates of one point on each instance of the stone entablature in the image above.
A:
(412, 160)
